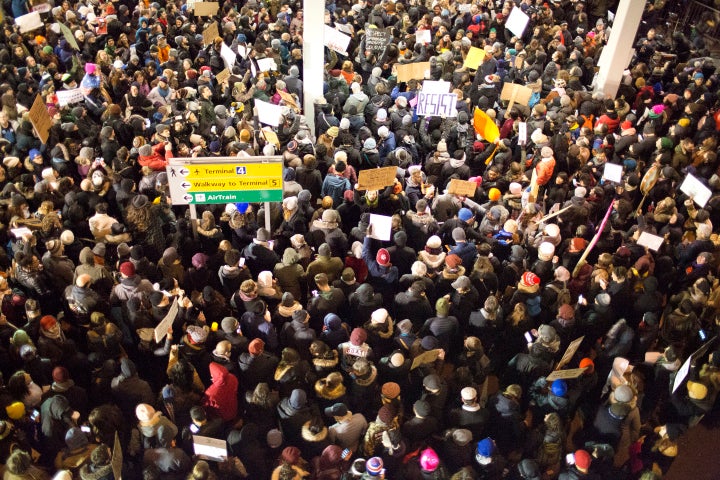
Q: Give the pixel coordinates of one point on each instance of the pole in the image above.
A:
(616, 55)
(194, 220)
(267, 216)
(313, 57)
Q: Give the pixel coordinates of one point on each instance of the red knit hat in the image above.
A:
(582, 459)
(47, 322)
(358, 336)
(566, 312)
(529, 279)
(383, 257)
(256, 347)
(127, 269)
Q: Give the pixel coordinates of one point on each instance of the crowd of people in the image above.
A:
(313, 349)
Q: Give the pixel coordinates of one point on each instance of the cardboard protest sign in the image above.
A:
(222, 76)
(40, 119)
(565, 374)
(694, 188)
(376, 178)
(210, 33)
(462, 187)
(381, 227)
(514, 93)
(653, 242)
(268, 113)
(271, 137)
(570, 352)
(117, 458)
(376, 39)
(208, 448)
(29, 22)
(412, 71)
(517, 22)
(165, 324)
(66, 97)
(68, 36)
(205, 9)
(345, 28)
(613, 172)
(425, 357)
(289, 100)
(474, 58)
(335, 40)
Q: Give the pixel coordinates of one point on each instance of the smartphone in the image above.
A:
(85, 428)
(314, 293)
(241, 263)
(570, 459)
(194, 428)
(34, 415)
(702, 335)
(528, 337)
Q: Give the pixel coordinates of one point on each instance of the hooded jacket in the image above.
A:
(221, 395)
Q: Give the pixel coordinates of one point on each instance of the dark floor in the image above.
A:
(698, 457)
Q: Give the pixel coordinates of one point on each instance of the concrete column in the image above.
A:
(313, 57)
(617, 53)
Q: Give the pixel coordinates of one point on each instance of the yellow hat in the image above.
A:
(494, 194)
(684, 122)
(697, 390)
(15, 410)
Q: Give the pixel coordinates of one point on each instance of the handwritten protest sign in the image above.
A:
(412, 71)
(267, 64)
(335, 40)
(228, 56)
(222, 76)
(423, 36)
(514, 93)
(376, 178)
(376, 39)
(271, 137)
(289, 100)
(565, 374)
(462, 187)
(40, 119)
(435, 99)
(210, 33)
(167, 321)
(66, 97)
(571, 349)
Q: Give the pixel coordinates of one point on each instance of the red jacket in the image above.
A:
(159, 158)
(221, 396)
(545, 171)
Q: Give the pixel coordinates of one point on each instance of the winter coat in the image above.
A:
(221, 395)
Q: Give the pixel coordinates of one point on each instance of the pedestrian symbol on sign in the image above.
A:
(240, 170)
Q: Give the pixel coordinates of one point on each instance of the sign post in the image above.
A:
(212, 180)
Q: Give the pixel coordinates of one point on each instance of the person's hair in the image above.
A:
(201, 471)
(261, 395)
(151, 472)
(519, 314)
(181, 375)
(198, 413)
(139, 218)
(19, 462)
(17, 387)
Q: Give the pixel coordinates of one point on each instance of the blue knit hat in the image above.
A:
(374, 466)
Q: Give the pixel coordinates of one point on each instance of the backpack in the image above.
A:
(563, 295)
(534, 99)
(533, 305)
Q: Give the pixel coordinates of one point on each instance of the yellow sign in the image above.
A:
(214, 170)
(221, 185)
(474, 58)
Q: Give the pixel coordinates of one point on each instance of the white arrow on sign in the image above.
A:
(188, 197)
(184, 172)
(186, 185)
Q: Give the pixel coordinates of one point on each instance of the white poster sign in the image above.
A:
(522, 133)
(517, 21)
(432, 86)
(437, 104)
(266, 64)
(613, 172)
(381, 227)
(66, 97)
(268, 113)
(335, 40)
(228, 56)
(694, 188)
(29, 22)
(423, 36)
(653, 242)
